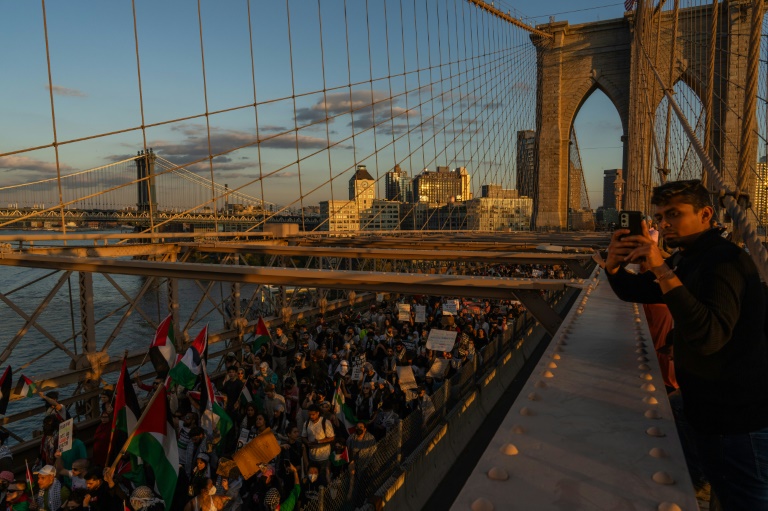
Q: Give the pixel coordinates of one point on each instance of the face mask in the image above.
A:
(313, 477)
(212, 491)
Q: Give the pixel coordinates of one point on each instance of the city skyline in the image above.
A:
(95, 89)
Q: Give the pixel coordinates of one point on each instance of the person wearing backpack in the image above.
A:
(318, 435)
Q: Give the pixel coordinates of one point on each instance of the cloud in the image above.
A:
(368, 108)
(289, 140)
(64, 91)
(18, 162)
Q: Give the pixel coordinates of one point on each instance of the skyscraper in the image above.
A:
(399, 186)
(610, 178)
(526, 163)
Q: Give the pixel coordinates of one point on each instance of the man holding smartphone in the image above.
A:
(715, 296)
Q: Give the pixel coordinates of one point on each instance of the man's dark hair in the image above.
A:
(196, 431)
(689, 192)
(94, 473)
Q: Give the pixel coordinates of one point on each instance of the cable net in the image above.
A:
(270, 108)
(699, 110)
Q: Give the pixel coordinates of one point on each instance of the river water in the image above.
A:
(36, 355)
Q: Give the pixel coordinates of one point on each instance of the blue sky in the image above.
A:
(453, 112)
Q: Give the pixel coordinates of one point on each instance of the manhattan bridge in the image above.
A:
(197, 171)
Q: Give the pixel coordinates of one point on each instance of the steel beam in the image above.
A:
(399, 253)
(87, 316)
(540, 309)
(458, 285)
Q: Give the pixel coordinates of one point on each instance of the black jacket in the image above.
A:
(720, 347)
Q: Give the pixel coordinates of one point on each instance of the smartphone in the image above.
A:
(631, 220)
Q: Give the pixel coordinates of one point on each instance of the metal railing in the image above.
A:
(354, 489)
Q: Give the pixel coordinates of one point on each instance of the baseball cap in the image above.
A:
(47, 470)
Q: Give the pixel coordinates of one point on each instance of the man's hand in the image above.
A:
(647, 251)
(618, 250)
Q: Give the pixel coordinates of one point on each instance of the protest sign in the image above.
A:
(421, 313)
(244, 437)
(65, 435)
(404, 311)
(439, 368)
(262, 449)
(406, 378)
(441, 340)
(451, 307)
(357, 367)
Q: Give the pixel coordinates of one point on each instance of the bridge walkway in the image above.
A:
(592, 428)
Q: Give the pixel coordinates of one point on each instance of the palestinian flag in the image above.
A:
(343, 411)
(127, 411)
(5, 389)
(162, 351)
(154, 441)
(196, 395)
(260, 335)
(186, 371)
(26, 387)
(213, 418)
(245, 397)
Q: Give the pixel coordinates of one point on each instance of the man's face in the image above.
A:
(44, 481)
(78, 469)
(189, 420)
(92, 484)
(314, 416)
(677, 221)
(15, 492)
(294, 434)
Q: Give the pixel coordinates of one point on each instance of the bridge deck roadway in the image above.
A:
(581, 424)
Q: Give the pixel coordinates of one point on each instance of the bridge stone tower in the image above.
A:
(580, 59)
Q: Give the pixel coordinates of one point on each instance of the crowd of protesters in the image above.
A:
(287, 386)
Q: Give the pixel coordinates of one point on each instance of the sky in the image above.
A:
(462, 113)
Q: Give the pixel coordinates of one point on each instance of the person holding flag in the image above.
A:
(214, 420)
(153, 439)
(261, 336)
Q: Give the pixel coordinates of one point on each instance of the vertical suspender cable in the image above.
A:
(53, 122)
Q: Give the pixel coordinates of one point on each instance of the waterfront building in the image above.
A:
(499, 213)
(494, 191)
(362, 212)
(442, 186)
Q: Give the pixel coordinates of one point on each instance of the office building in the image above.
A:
(398, 186)
(499, 214)
(612, 182)
(526, 163)
(442, 186)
